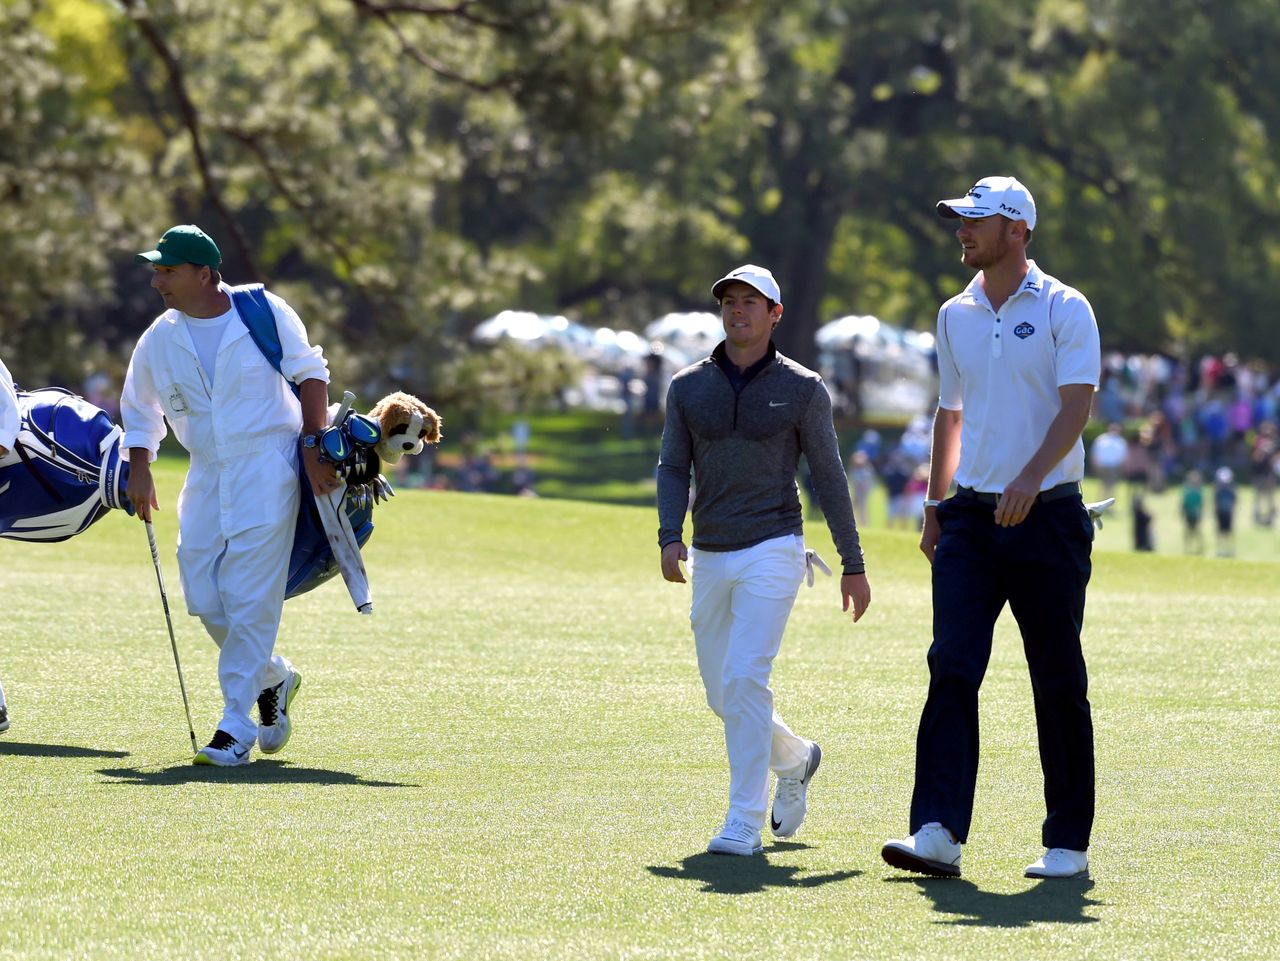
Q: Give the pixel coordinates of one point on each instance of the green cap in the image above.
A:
(184, 244)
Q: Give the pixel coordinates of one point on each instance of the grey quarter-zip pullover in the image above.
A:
(742, 448)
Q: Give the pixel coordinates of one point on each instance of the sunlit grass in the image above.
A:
(512, 759)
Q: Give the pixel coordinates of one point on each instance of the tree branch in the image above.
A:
(322, 233)
(384, 14)
(460, 11)
(191, 120)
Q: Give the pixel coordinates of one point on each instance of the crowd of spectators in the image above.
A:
(1201, 427)
(1212, 422)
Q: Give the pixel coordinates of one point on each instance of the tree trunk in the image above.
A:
(801, 270)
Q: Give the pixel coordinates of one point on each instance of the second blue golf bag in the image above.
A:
(65, 470)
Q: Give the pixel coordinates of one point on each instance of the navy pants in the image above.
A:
(1040, 568)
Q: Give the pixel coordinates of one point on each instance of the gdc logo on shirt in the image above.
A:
(1023, 331)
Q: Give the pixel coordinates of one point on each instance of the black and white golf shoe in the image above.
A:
(4, 719)
(274, 726)
(791, 800)
(224, 751)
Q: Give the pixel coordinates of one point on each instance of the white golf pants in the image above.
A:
(237, 520)
(741, 602)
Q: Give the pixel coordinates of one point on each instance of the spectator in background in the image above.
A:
(1137, 466)
(1192, 511)
(102, 393)
(1224, 508)
(916, 440)
(862, 478)
(1110, 403)
(1143, 537)
(1191, 441)
(1107, 455)
(522, 478)
(476, 473)
(1262, 460)
(913, 496)
(654, 387)
(895, 476)
(1162, 449)
(1215, 427)
(869, 444)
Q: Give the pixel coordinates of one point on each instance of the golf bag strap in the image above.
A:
(27, 462)
(255, 311)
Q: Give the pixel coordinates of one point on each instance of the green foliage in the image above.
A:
(405, 170)
(504, 379)
(71, 189)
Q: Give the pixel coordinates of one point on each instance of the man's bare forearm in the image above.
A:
(1064, 430)
(945, 453)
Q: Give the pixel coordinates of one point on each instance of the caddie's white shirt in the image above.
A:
(1003, 370)
(10, 417)
(246, 401)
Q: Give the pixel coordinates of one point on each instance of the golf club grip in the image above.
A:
(155, 554)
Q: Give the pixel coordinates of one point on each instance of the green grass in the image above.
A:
(512, 759)
(578, 455)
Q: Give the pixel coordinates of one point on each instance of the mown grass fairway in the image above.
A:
(512, 759)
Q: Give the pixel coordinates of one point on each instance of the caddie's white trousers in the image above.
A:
(741, 602)
(236, 520)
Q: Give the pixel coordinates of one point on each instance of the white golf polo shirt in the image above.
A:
(1003, 370)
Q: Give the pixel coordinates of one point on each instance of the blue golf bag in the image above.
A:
(65, 470)
(312, 562)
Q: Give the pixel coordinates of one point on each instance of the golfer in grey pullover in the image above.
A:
(739, 421)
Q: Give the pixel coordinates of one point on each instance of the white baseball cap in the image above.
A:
(990, 196)
(758, 277)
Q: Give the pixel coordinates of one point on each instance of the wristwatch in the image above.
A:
(931, 503)
(310, 440)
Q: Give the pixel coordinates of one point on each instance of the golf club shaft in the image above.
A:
(168, 619)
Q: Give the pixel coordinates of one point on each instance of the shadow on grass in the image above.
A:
(259, 772)
(720, 874)
(26, 749)
(1047, 902)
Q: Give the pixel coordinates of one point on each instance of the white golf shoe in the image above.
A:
(929, 851)
(736, 837)
(224, 751)
(4, 718)
(1059, 863)
(274, 726)
(791, 800)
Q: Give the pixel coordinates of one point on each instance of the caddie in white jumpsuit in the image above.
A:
(739, 421)
(10, 422)
(198, 368)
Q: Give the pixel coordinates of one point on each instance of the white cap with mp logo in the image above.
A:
(990, 196)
